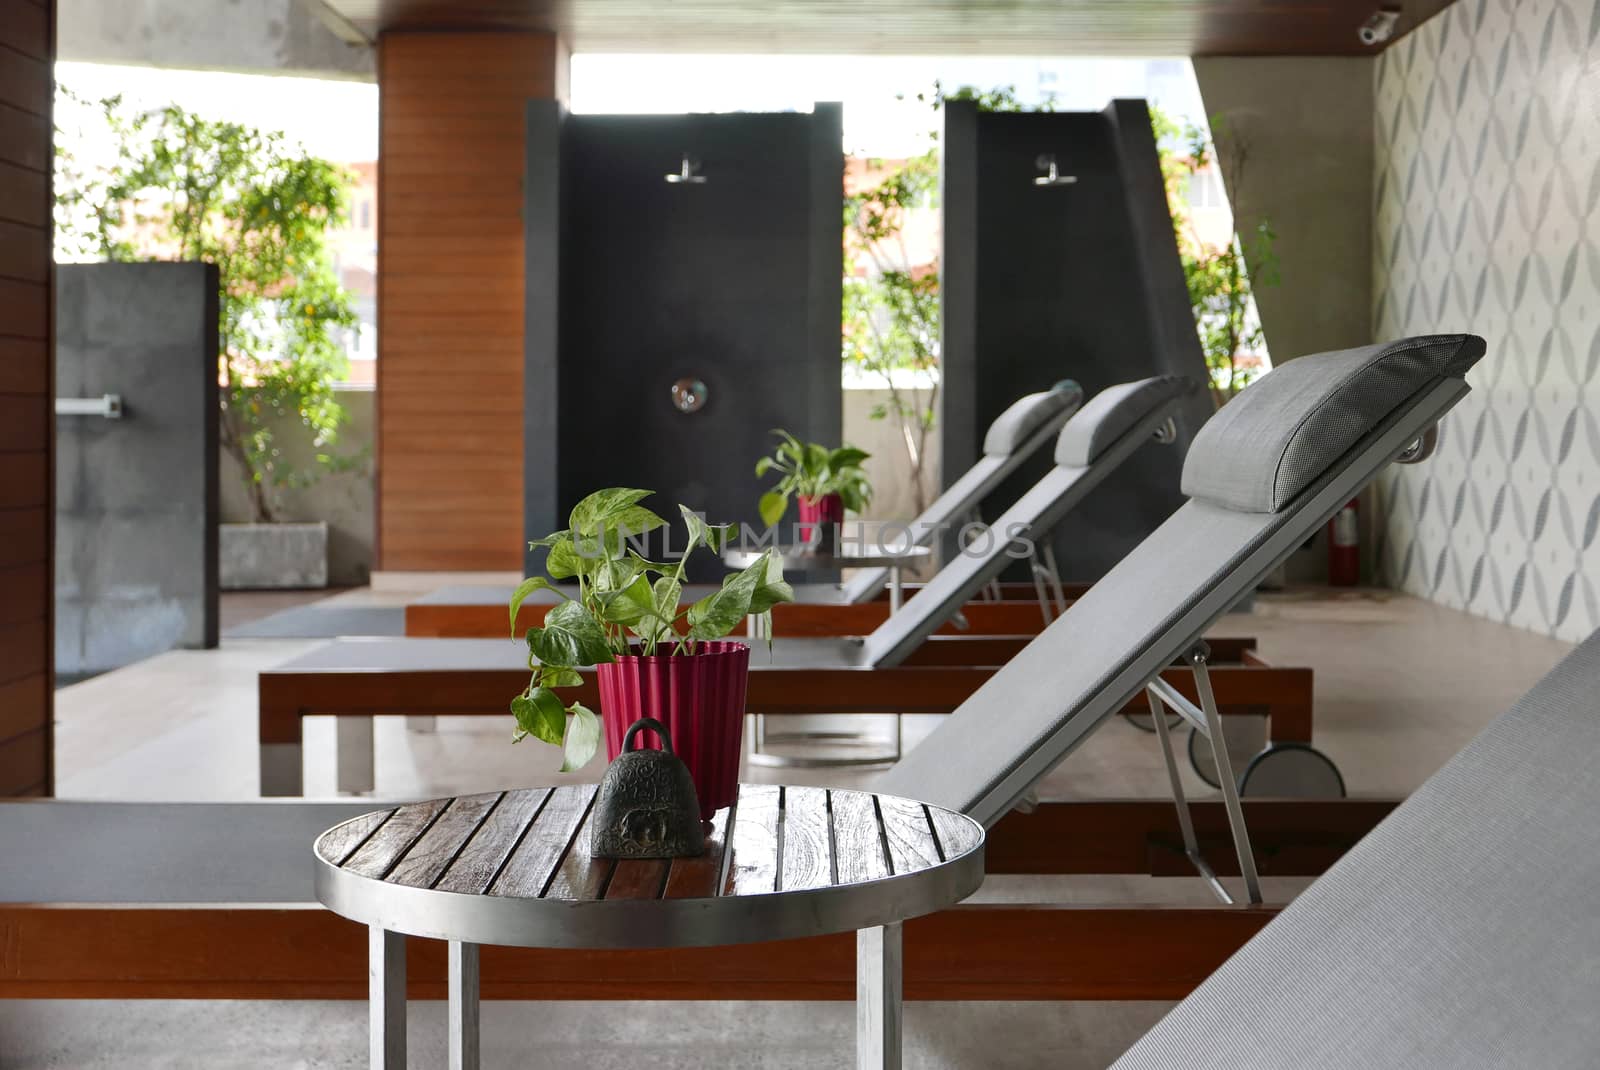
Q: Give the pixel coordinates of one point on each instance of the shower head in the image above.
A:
(688, 173)
(1051, 177)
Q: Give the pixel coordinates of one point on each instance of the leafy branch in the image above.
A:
(183, 187)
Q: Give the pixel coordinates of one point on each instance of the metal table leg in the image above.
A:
(386, 998)
(878, 998)
(463, 1006)
(896, 589)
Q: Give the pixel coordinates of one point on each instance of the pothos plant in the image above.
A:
(623, 603)
(812, 471)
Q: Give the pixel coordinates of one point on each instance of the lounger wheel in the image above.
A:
(1247, 736)
(1292, 771)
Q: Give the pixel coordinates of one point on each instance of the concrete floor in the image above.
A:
(1401, 686)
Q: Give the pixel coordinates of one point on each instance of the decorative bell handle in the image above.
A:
(653, 725)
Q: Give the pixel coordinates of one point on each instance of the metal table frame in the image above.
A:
(875, 909)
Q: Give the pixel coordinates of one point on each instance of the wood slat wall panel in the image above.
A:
(24, 421)
(450, 294)
(24, 368)
(25, 306)
(26, 29)
(24, 137)
(21, 189)
(22, 706)
(27, 426)
(25, 481)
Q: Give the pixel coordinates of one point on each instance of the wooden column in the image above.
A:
(27, 420)
(450, 294)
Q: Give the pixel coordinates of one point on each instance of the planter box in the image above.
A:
(272, 556)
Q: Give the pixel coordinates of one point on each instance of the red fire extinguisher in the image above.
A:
(1344, 546)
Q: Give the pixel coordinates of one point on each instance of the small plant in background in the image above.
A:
(1221, 278)
(624, 604)
(812, 472)
(183, 187)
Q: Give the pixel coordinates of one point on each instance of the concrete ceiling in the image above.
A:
(908, 27)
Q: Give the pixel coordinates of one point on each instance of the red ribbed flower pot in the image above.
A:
(826, 512)
(700, 699)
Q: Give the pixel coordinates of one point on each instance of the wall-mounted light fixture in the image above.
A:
(1052, 176)
(688, 173)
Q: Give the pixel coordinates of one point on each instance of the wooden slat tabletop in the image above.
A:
(534, 844)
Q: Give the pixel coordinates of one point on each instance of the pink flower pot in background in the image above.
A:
(820, 519)
(699, 697)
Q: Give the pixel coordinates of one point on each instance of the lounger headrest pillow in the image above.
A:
(1281, 433)
(1110, 414)
(1027, 414)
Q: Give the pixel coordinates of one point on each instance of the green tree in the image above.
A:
(1221, 279)
(891, 306)
(183, 187)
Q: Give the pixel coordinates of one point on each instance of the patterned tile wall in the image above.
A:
(1486, 189)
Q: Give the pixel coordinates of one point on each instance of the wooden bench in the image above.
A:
(214, 901)
(358, 679)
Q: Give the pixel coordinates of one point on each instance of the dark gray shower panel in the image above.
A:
(1048, 282)
(637, 283)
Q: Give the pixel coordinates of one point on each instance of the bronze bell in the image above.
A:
(647, 806)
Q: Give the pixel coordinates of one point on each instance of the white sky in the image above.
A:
(339, 120)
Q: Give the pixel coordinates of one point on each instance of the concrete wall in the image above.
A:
(136, 498)
(889, 468)
(343, 499)
(1488, 152)
(1306, 125)
(247, 36)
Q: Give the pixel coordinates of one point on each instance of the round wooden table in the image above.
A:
(513, 868)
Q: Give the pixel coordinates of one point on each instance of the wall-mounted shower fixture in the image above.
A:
(689, 394)
(1051, 177)
(689, 173)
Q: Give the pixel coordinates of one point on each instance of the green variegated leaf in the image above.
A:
(720, 612)
(629, 605)
(553, 676)
(603, 507)
(583, 738)
(524, 589)
(539, 714)
(570, 637)
(772, 507)
(562, 562)
(772, 588)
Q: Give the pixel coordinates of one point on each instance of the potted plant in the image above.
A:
(826, 482)
(619, 614)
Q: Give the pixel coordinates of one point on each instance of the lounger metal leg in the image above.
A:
(1036, 572)
(878, 998)
(464, 1030)
(1055, 577)
(282, 769)
(1230, 786)
(1191, 845)
(353, 745)
(386, 998)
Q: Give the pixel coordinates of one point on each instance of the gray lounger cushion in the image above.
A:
(1027, 414)
(1307, 414)
(1143, 613)
(1115, 409)
(1464, 931)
